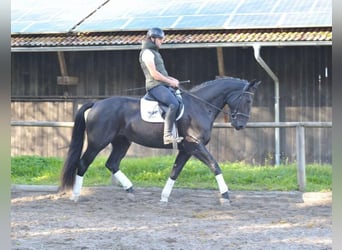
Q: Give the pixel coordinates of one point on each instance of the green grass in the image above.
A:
(153, 172)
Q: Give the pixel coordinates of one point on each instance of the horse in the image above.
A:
(117, 121)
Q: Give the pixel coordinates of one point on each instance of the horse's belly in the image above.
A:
(146, 134)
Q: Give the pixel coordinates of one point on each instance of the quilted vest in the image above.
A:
(158, 61)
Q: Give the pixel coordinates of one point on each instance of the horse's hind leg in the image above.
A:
(86, 159)
(120, 145)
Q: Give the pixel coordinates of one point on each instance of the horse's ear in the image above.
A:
(253, 85)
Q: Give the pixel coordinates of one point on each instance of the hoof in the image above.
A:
(74, 197)
(225, 202)
(163, 200)
(224, 199)
(131, 197)
(130, 194)
(163, 203)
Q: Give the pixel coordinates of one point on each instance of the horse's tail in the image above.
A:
(75, 149)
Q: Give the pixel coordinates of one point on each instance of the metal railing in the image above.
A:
(300, 137)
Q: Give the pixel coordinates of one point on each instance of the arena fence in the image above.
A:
(300, 137)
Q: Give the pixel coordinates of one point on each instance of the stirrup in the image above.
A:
(168, 139)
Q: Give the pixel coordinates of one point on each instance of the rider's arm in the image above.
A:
(148, 59)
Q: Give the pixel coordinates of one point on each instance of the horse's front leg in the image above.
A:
(178, 165)
(201, 153)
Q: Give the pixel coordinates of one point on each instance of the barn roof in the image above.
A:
(105, 24)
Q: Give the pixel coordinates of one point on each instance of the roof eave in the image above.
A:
(170, 46)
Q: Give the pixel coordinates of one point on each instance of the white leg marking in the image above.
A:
(76, 191)
(122, 178)
(167, 190)
(221, 183)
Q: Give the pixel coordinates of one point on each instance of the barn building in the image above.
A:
(65, 53)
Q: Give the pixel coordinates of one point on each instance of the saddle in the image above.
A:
(153, 111)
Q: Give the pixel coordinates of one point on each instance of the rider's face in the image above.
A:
(158, 42)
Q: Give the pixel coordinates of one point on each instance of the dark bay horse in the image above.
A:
(117, 121)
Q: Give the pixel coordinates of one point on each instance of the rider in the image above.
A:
(158, 83)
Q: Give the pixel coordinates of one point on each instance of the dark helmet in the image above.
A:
(155, 33)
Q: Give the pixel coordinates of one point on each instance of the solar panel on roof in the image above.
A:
(20, 26)
(148, 22)
(103, 25)
(219, 7)
(322, 5)
(17, 13)
(256, 6)
(150, 11)
(43, 27)
(298, 19)
(214, 21)
(180, 9)
(294, 6)
(134, 15)
(49, 16)
(35, 16)
(131, 8)
(255, 20)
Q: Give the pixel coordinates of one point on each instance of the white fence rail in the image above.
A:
(300, 137)
(300, 141)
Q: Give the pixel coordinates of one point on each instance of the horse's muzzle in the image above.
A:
(238, 125)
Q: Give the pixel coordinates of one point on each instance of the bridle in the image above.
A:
(236, 111)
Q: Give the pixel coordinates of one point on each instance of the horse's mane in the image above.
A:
(230, 80)
(202, 85)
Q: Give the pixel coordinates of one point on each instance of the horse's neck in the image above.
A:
(216, 94)
(219, 93)
(214, 98)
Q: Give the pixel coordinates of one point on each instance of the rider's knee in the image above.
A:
(174, 106)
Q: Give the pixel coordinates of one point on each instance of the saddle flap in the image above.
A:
(152, 111)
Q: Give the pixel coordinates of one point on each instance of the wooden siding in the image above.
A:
(305, 95)
(253, 145)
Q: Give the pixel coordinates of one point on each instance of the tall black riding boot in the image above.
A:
(170, 118)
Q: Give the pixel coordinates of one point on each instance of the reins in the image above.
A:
(203, 101)
(186, 92)
(233, 114)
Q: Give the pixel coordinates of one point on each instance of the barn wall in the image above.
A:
(305, 95)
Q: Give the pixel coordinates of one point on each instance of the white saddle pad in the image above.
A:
(150, 111)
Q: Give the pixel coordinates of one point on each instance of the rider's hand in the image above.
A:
(173, 82)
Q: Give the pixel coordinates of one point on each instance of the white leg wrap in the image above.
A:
(122, 178)
(76, 191)
(167, 190)
(221, 183)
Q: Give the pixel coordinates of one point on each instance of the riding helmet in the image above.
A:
(155, 33)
